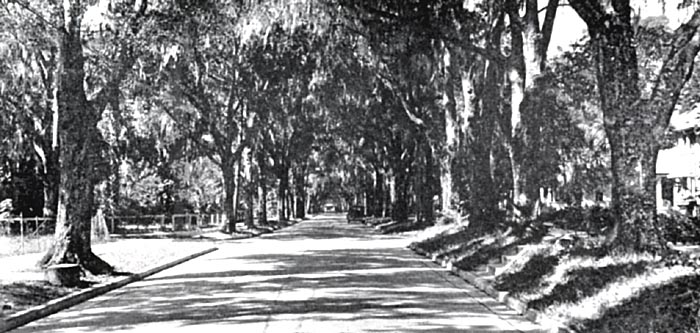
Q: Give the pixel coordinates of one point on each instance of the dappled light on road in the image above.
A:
(322, 275)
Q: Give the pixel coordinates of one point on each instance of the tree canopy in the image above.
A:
(416, 110)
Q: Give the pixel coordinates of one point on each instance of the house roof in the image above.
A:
(679, 161)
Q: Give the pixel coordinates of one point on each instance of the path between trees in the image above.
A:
(321, 275)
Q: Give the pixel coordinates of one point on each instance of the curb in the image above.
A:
(502, 296)
(40, 311)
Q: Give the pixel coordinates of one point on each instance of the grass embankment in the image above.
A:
(565, 275)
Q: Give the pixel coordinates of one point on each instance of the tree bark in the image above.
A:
(262, 188)
(250, 202)
(427, 178)
(483, 196)
(300, 197)
(282, 191)
(80, 153)
(236, 196)
(399, 208)
(529, 43)
(229, 175)
(402, 184)
(451, 130)
(51, 181)
(378, 195)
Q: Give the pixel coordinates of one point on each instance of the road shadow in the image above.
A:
(386, 286)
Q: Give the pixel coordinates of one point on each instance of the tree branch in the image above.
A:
(675, 72)
(488, 53)
(590, 11)
(548, 24)
(38, 15)
(208, 150)
(125, 60)
(412, 117)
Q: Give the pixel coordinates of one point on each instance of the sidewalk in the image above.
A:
(321, 275)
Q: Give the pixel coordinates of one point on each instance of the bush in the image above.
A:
(677, 227)
(593, 220)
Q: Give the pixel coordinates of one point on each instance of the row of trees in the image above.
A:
(124, 100)
(488, 114)
(400, 104)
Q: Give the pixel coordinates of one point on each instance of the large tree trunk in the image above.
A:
(282, 191)
(529, 45)
(399, 209)
(634, 125)
(379, 193)
(300, 193)
(250, 202)
(247, 186)
(262, 189)
(290, 209)
(51, 181)
(236, 196)
(229, 175)
(428, 183)
(80, 153)
(483, 197)
(451, 129)
(402, 184)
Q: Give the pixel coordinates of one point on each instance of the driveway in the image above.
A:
(321, 275)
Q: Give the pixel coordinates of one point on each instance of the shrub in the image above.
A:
(593, 220)
(677, 227)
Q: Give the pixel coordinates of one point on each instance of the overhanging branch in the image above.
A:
(675, 72)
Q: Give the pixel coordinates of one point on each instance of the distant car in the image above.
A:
(356, 213)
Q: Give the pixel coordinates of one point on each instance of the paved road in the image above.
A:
(321, 275)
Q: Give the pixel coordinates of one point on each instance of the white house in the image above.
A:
(678, 168)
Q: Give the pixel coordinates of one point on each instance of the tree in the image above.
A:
(207, 79)
(528, 43)
(635, 120)
(28, 93)
(81, 146)
(286, 66)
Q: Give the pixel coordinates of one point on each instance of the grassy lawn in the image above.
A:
(22, 283)
(15, 245)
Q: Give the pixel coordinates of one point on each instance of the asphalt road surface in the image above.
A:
(322, 275)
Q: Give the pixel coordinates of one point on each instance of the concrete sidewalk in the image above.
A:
(321, 275)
